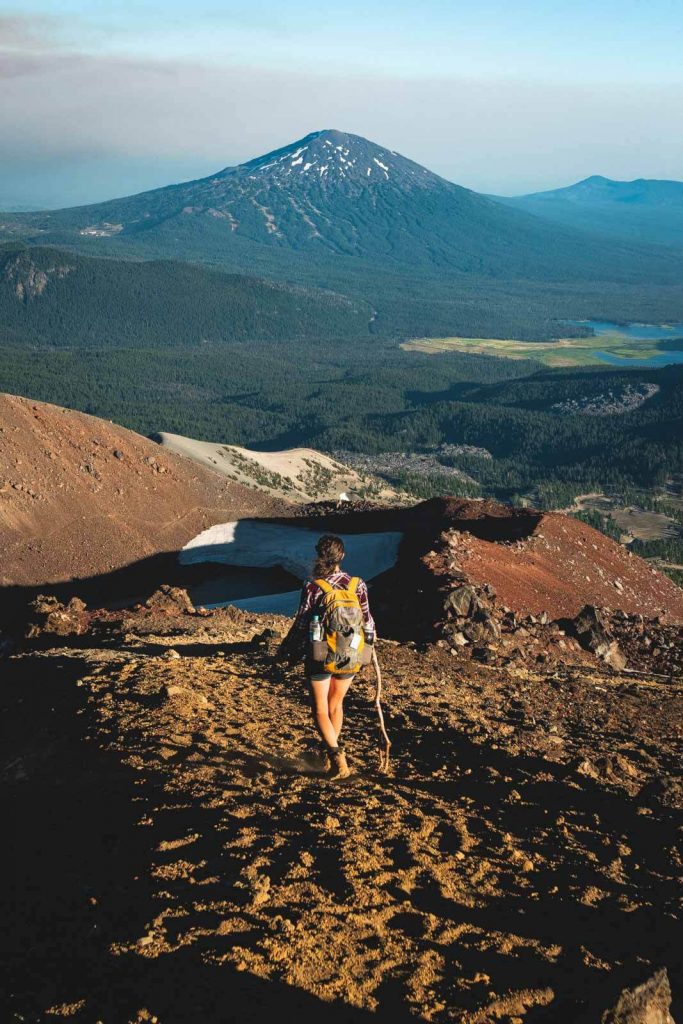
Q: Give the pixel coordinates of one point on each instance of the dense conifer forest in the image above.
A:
(374, 399)
(181, 348)
(58, 298)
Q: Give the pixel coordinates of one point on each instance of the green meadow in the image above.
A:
(559, 352)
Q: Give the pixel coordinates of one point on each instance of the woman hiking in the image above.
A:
(334, 626)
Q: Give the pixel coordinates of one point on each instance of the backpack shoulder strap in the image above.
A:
(326, 587)
(353, 584)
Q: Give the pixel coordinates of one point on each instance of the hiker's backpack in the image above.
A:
(342, 649)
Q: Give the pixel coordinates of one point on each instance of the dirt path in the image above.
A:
(179, 861)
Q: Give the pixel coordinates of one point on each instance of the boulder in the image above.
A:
(169, 600)
(458, 639)
(183, 696)
(482, 629)
(487, 655)
(586, 767)
(591, 627)
(461, 602)
(490, 625)
(648, 1003)
(453, 635)
(611, 654)
(52, 617)
(590, 619)
(474, 632)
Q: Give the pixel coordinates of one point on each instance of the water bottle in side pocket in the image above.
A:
(315, 630)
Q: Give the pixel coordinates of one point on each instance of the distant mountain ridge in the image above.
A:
(333, 194)
(653, 191)
(647, 210)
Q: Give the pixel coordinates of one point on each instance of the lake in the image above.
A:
(641, 332)
(636, 332)
(664, 359)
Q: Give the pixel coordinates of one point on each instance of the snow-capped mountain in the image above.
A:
(330, 194)
(333, 159)
(329, 191)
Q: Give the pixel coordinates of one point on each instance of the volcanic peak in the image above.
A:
(331, 154)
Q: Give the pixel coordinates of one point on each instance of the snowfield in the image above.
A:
(263, 545)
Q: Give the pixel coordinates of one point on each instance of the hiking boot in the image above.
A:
(322, 759)
(318, 759)
(340, 768)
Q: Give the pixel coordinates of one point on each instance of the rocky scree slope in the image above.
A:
(559, 565)
(555, 593)
(80, 496)
(531, 562)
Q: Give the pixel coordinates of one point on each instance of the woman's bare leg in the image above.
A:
(320, 691)
(335, 703)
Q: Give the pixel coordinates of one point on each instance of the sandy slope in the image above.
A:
(180, 862)
(298, 474)
(80, 495)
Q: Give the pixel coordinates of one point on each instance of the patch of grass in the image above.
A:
(561, 352)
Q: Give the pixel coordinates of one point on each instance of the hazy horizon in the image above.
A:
(507, 98)
(146, 181)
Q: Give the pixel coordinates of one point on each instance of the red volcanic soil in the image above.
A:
(80, 496)
(536, 562)
(560, 566)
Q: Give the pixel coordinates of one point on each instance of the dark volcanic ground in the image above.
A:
(172, 856)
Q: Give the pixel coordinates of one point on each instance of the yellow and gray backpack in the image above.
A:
(342, 648)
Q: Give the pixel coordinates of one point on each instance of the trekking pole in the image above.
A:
(384, 741)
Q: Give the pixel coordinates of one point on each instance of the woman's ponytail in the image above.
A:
(330, 551)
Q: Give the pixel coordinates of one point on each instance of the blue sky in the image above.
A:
(621, 39)
(106, 99)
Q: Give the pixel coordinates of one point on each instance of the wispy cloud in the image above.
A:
(32, 33)
(105, 117)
